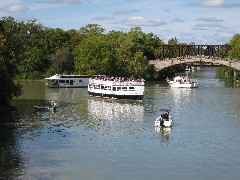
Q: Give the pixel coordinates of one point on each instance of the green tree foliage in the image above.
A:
(92, 29)
(116, 53)
(9, 87)
(173, 41)
(93, 55)
(62, 61)
(44, 42)
(15, 35)
(234, 53)
(35, 63)
(75, 37)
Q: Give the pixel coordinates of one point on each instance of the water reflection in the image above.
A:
(115, 113)
(181, 97)
(65, 94)
(88, 137)
(164, 132)
(11, 163)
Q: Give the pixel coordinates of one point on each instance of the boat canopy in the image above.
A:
(58, 76)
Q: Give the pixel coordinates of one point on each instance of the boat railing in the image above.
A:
(116, 83)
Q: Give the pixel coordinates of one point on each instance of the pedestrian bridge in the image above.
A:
(195, 61)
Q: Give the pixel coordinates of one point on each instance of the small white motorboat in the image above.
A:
(182, 82)
(164, 120)
(189, 68)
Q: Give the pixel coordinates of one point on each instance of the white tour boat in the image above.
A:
(182, 82)
(116, 88)
(66, 81)
(164, 120)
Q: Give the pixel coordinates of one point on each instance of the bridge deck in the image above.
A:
(161, 64)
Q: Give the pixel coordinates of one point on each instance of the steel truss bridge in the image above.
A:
(176, 51)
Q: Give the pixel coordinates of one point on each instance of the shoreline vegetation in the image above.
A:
(31, 51)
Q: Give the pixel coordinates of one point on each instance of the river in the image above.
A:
(89, 138)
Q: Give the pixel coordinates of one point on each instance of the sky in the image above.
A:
(200, 21)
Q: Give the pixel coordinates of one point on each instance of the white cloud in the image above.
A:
(218, 4)
(177, 20)
(211, 19)
(209, 25)
(103, 18)
(225, 34)
(123, 12)
(141, 22)
(14, 8)
(213, 3)
(7, 2)
(66, 1)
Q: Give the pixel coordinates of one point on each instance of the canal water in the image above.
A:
(89, 138)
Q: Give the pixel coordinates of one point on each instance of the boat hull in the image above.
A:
(116, 88)
(182, 82)
(66, 86)
(116, 96)
(192, 85)
(159, 122)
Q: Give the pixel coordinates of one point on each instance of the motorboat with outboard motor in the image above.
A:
(164, 120)
(52, 107)
(182, 82)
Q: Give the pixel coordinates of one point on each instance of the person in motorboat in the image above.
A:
(164, 120)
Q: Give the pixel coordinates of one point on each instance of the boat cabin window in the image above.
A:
(61, 81)
(131, 88)
(107, 88)
(67, 81)
(118, 88)
(124, 88)
(114, 88)
(80, 80)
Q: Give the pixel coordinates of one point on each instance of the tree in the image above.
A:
(9, 87)
(173, 41)
(93, 55)
(35, 63)
(92, 29)
(62, 61)
(44, 42)
(234, 53)
(136, 49)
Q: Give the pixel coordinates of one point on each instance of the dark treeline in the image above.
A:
(29, 50)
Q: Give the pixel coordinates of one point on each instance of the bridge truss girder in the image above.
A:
(174, 51)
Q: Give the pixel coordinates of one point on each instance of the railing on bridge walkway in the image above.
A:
(174, 51)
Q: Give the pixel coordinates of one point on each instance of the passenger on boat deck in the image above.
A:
(116, 79)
